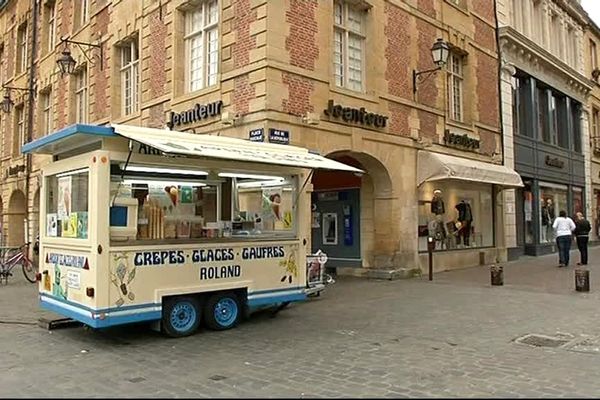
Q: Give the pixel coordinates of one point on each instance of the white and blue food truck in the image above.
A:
(141, 224)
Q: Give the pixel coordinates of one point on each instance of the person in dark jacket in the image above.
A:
(581, 232)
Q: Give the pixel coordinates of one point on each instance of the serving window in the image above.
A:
(67, 204)
(158, 203)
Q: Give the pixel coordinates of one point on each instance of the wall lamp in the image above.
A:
(439, 53)
(66, 62)
(7, 103)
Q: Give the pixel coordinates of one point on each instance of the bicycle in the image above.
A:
(10, 259)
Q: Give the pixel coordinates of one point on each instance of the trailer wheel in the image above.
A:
(181, 316)
(222, 311)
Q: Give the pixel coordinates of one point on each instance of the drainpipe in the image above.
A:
(34, 22)
(499, 81)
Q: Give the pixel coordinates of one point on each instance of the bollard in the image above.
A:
(582, 280)
(430, 248)
(497, 275)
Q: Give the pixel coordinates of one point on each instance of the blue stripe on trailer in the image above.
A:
(275, 298)
(150, 311)
(113, 316)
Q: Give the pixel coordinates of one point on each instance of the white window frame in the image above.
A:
(22, 33)
(47, 116)
(207, 71)
(346, 32)
(51, 9)
(455, 86)
(130, 93)
(20, 125)
(81, 96)
(593, 54)
(83, 11)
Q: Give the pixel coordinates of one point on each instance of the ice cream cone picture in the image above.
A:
(172, 192)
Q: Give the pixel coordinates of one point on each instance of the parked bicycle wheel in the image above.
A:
(29, 270)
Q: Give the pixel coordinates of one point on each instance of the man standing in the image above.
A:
(563, 226)
(581, 232)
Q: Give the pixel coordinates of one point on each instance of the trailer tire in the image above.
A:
(181, 316)
(222, 311)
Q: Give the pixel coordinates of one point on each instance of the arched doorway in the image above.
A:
(17, 211)
(351, 213)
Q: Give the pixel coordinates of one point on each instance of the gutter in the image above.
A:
(33, 36)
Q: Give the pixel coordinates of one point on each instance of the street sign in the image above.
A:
(257, 135)
(279, 136)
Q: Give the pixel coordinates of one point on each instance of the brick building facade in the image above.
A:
(285, 65)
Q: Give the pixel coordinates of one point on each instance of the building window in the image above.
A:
(571, 47)
(22, 48)
(538, 22)
(50, 25)
(81, 96)
(348, 46)
(455, 86)
(47, 116)
(576, 125)
(81, 13)
(556, 35)
(516, 14)
(19, 133)
(595, 133)
(542, 115)
(593, 55)
(2, 63)
(202, 45)
(130, 77)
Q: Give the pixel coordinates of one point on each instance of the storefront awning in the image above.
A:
(174, 142)
(436, 166)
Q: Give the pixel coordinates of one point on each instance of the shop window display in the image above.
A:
(188, 204)
(67, 205)
(457, 215)
(552, 200)
(528, 212)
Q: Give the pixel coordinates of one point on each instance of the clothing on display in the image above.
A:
(437, 203)
(465, 217)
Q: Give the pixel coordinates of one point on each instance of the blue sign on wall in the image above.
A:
(279, 136)
(257, 135)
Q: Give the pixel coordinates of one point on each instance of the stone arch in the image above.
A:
(17, 212)
(378, 236)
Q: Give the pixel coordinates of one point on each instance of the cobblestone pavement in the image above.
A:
(453, 337)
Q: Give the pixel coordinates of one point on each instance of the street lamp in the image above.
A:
(7, 103)
(439, 53)
(66, 62)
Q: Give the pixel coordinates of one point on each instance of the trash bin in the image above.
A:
(497, 275)
(582, 280)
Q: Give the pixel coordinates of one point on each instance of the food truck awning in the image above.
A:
(435, 166)
(184, 143)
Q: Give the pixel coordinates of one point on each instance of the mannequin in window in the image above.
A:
(437, 203)
(465, 217)
(438, 231)
(545, 221)
(551, 217)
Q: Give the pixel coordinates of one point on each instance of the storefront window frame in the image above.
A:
(493, 192)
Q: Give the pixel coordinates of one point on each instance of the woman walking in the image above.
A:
(581, 232)
(563, 226)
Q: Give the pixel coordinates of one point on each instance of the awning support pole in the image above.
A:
(112, 203)
(303, 186)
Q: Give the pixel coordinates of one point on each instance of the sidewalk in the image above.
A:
(530, 273)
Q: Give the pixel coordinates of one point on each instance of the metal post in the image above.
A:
(582, 280)
(430, 247)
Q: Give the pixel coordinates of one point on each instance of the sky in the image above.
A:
(593, 9)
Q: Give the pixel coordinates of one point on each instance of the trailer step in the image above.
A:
(50, 324)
